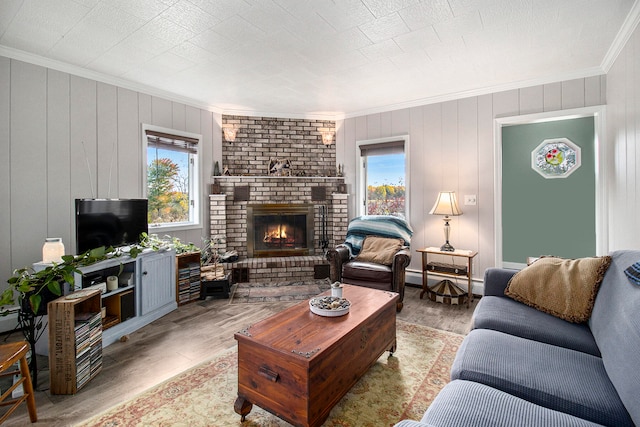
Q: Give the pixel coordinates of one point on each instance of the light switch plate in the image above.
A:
(470, 200)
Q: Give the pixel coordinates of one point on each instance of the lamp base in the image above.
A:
(447, 247)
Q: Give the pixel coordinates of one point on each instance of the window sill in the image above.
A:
(158, 229)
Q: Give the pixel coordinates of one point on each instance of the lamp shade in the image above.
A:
(446, 204)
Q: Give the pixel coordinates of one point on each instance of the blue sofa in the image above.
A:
(522, 367)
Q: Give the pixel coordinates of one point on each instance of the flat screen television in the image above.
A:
(109, 222)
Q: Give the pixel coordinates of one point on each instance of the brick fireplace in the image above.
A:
(310, 185)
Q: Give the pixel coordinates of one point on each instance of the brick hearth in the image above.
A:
(228, 219)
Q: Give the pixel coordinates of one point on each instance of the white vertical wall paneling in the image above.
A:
(373, 126)
(592, 91)
(419, 176)
(129, 148)
(450, 178)
(206, 152)
(629, 156)
(107, 141)
(573, 94)
(485, 200)
(386, 123)
(553, 96)
(161, 112)
(615, 132)
(5, 167)
(531, 100)
(60, 205)
(433, 138)
(400, 121)
(468, 172)
(362, 132)
(178, 116)
(82, 122)
(145, 115)
(28, 162)
(348, 130)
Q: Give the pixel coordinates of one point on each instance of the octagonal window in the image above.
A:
(555, 158)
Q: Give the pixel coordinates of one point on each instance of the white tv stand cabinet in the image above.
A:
(150, 294)
(152, 284)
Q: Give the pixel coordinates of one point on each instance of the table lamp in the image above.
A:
(446, 204)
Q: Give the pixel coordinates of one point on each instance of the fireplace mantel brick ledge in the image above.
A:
(228, 221)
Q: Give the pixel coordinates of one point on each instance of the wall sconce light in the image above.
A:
(327, 138)
(446, 205)
(230, 133)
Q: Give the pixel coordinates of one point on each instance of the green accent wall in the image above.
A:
(547, 216)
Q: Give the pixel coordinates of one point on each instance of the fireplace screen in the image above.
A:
(279, 230)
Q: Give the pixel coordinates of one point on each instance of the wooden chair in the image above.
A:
(11, 353)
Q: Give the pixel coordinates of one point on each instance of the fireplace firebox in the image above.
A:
(280, 230)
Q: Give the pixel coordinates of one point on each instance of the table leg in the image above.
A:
(424, 276)
(242, 407)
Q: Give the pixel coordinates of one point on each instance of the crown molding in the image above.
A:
(138, 87)
(554, 78)
(101, 77)
(624, 34)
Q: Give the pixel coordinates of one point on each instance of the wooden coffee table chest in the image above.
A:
(298, 365)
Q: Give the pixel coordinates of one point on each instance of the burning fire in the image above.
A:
(278, 233)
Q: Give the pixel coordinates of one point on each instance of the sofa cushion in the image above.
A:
(379, 250)
(471, 404)
(565, 288)
(615, 324)
(511, 317)
(554, 377)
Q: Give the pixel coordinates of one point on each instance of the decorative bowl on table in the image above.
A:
(329, 306)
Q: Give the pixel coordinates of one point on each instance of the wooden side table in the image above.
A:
(446, 290)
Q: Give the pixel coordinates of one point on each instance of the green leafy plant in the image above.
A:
(30, 285)
(156, 243)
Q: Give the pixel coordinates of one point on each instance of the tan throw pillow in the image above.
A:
(379, 249)
(565, 288)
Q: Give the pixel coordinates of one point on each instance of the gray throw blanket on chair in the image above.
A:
(376, 225)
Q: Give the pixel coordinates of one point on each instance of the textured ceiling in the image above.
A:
(339, 57)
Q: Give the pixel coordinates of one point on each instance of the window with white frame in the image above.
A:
(382, 183)
(172, 178)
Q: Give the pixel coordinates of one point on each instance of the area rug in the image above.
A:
(278, 291)
(398, 387)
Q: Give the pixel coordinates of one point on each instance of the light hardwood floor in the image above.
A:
(184, 338)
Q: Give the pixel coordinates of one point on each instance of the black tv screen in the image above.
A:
(109, 222)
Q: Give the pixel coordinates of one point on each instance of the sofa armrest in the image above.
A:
(496, 280)
(336, 257)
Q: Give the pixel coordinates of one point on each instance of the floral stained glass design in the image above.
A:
(555, 158)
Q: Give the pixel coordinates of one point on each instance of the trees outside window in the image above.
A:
(172, 179)
(382, 189)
